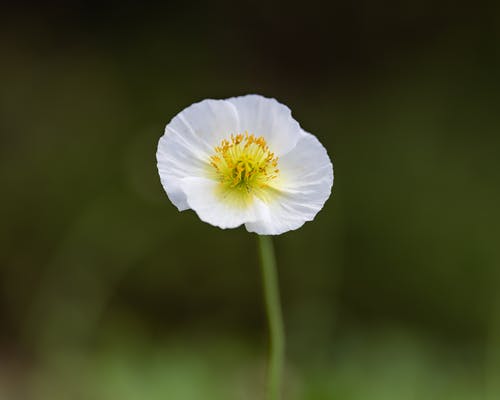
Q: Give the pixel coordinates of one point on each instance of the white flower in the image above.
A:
(244, 160)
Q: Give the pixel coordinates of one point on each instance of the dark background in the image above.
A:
(107, 292)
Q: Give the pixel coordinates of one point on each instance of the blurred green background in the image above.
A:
(107, 292)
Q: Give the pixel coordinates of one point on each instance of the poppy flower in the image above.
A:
(244, 161)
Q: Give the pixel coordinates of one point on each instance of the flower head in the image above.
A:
(244, 160)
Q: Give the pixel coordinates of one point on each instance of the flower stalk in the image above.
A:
(274, 317)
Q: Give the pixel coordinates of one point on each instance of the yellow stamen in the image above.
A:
(244, 165)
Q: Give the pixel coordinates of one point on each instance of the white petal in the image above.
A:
(176, 195)
(307, 179)
(203, 197)
(176, 162)
(203, 125)
(189, 140)
(266, 117)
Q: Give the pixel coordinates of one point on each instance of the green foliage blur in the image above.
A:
(108, 292)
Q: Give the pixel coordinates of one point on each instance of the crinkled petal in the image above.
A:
(189, 140)
(306, 183)
(205, 198)
(175, 162)
(266, 117)
(203, 125)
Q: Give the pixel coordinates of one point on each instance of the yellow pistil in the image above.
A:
(245, 167)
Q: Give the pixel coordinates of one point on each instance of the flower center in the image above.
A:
(245, 163)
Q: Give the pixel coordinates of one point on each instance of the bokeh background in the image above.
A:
(107, 292)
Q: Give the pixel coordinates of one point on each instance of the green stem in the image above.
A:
(274, 317)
